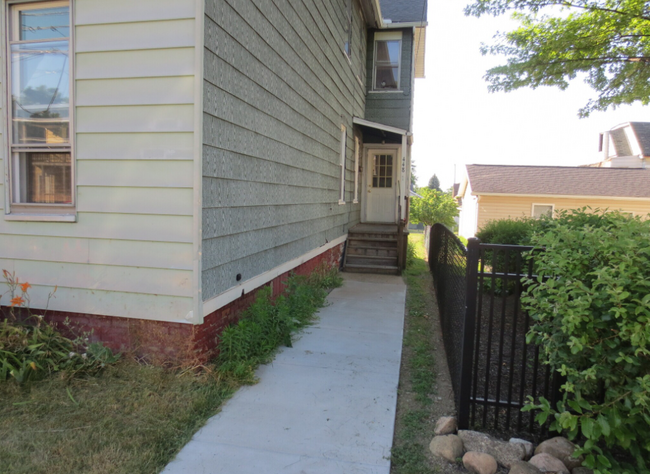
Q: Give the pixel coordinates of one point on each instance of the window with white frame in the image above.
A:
(39, 98)
(347, 45)
(540, 210)
(386, 61)
(344, 137)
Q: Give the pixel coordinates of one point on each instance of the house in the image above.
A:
(165, 158)
(490, 192)
(625, 146)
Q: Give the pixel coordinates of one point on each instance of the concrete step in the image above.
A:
(380, 269)
(371, 260)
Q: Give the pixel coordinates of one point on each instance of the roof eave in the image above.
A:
(372, 11)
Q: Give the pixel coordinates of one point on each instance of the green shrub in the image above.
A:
(463, 240)
(508, 231)
(592, 321)
(32, 348)
(410, 254)
(268, 324)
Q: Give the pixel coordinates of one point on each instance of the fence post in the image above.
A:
(469, 331)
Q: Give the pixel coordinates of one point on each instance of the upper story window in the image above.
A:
(347, 46)
(387, 58)
(38, 69)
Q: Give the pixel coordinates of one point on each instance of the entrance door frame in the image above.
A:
(368, 149)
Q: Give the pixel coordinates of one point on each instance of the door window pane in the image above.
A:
(43, 23)
(382, 171)
(45, 178)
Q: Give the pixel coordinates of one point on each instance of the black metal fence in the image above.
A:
(493, 369)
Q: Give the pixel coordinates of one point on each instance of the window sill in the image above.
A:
(356, 201)
(341, 202)
(385, 92)
(41, 217)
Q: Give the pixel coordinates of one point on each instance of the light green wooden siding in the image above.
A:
(392, 108)
(130, 253)
(277, 88)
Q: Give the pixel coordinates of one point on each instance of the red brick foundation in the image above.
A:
(172, 343)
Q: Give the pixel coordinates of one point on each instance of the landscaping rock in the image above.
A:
(449, 447)
(446, 425)
(523, 467)
(562, 449)
(479, 463)
(582, 470)
(504, 452)
(548, 464)
(528, 446)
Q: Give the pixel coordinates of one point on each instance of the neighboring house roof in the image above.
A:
(640, 135)
(559, 180)
(404, 11)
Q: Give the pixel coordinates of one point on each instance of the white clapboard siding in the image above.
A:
(121, 11)
(136, 118)
(130, 253)
(109, 226)
(135, 146)
(140, 35)
(138, 63)
(175, 201)
(140, 91)
(130, 305)
(103, 277)
(149, 173)
(96, 251)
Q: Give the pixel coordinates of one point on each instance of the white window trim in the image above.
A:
(387, 36)
(356, 171)
(344, 135)
(35, 211)
(532, 208)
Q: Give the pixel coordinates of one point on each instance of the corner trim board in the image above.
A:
(228, 296)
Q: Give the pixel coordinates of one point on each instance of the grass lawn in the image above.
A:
(130, 419)
(423, 394)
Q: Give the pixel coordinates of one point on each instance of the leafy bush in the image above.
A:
(410, 253)
(592, 321)
(508, 231)
(32, 348)
(267, 324)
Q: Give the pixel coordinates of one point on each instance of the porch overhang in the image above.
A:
(381, 132)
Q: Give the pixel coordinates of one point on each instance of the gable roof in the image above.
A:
(640, 135)
(559, 180)
(404, 11)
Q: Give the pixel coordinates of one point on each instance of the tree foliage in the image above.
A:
(606, 41)
(433, 207)
(434, 183)
(592, 321)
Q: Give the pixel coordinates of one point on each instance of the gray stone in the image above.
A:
(548, 464)
(479, 463)
(582, 470)
(504, 452)
(523, 467)
(449, 447)
(446, 425)
(528, 446)
(562, 449)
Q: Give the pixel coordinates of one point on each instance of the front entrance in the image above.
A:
(381, 185)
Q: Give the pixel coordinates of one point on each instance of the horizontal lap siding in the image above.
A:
(391, 108)
(130, 252)
(277, 88)
(503, 207)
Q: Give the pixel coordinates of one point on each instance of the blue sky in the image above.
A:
(457, 122)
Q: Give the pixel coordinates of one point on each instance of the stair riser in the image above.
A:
(371, 243)
(373, 252)
(381, 271)
(359, 260)
(372, 236)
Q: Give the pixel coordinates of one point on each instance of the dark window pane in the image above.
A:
(382, 182)
(389, 182)
(374, 182)
(382, 160)
(389, 160)
(386, 77)
(45, 178)
(44, 23)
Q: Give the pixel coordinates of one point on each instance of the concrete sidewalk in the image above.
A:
(326, 405)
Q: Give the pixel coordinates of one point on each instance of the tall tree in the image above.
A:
(434, 183)
(433, 207)
(605, 41)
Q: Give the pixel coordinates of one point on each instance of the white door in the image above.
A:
(381, 186)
